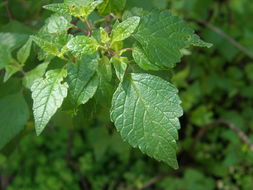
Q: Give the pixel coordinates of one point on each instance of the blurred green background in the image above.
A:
(216, 87)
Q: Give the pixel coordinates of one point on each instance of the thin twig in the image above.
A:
(225, 36)
(243, 137)
(71, 162)
(90, 30)
(153, 181)
(10, 15)
(108, 24)
(161, 176)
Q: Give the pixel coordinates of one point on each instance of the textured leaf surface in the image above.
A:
(124, 29)
(82, 45)
(14, 114)
(145, 110)
(82, 79)
(58, 23)
(111, 6)
(48, 95)
(77, 8)
(47, 46)
(162, 36)
(104, 36)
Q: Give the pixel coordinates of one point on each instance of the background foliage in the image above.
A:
(216, 88)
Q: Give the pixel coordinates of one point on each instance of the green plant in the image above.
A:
(87, 48)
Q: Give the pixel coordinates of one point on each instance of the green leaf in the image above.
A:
(136, 11)
(142, 60)
(80, 45)
(14, 114)
(105, 68)
(78, 8)
(162, 36)
(124, 29)
(120, 66)
(111, 6)
(5, 56)
(11, 69)
(48, 94)
(145, 110)
(61, 8)
(104, 36)
(12, 40)
(24, 51)
(58, 23)
(106, 87)
(82, 79)
(47, 46)
(34, 74)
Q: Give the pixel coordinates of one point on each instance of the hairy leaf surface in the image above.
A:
(82, 79)
(47, 46)
(48, 94)
(82, 45)
(77, 8)
(162, 36)
(124, 29)
(145, 110)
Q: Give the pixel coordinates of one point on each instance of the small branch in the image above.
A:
(78, 29)
(90, 30)
(153, 181)
(243, 137)
(225, 36)
(160, 177)
(108, 24)
(10, 15)
(71, 162)
(125, 50)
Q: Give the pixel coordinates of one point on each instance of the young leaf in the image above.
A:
(82, 79)
(13, 117)
(78, 8)
(34, 74)
(58, 23)
(47, 46)
(61, 8)
(124, 29)
(111, 6)
(145, 110)
(162, 36)
(48, 94)
(104, 36)
(24, 51)
(120, 66)
(83, 45)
